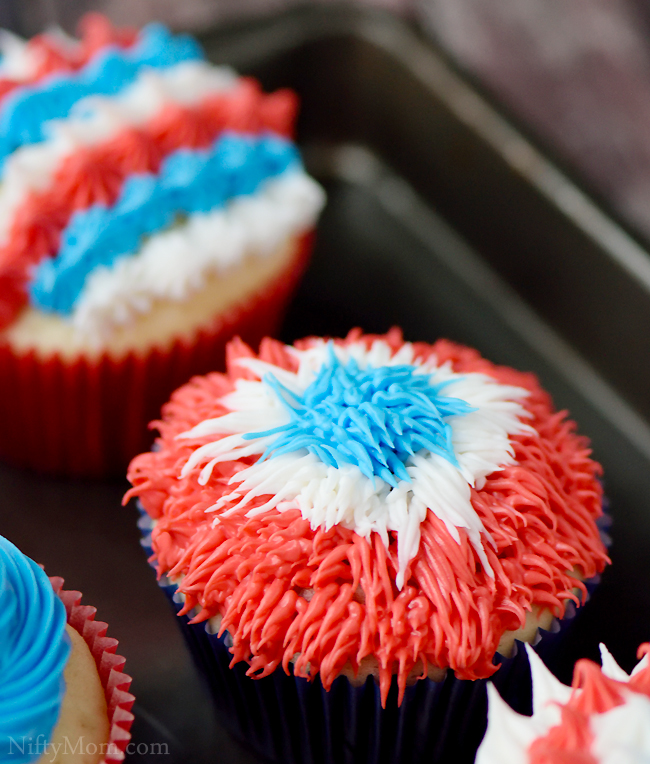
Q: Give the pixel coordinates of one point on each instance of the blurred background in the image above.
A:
(575, 74)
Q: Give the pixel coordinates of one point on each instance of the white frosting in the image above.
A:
(97, 119)
(610, 667)
(326, 495)
(509, 734)
(548, 691)
(18, 62)
(621, 735)
(173, 264)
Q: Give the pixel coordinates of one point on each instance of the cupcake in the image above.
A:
(362, 526)
(604, 718)
(151, 206)
(63, 696)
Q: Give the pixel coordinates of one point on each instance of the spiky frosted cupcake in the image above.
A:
(151, 206)
(603, 719)
(372, 516)
(63, 696)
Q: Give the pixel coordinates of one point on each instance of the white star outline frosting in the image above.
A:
(326, 495)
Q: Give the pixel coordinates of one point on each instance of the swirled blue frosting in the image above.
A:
(189, 181)
(374, 417)
(34, 649)
(26, 110)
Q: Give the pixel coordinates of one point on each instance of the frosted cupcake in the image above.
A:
(151, 206)
(604, 718)
(377, 517)
(63, 696)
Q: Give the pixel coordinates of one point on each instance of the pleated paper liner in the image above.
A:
(109, 667)
(289, 720)
(90, 417)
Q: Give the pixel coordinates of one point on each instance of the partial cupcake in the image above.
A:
(376, 516)
(63, 696)
(604, 718)
(151, 206)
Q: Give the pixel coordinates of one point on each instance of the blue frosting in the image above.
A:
(189, 181)
(373, 417)
(34, 649)
(27, 109)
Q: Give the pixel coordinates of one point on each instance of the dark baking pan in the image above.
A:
(442, 219)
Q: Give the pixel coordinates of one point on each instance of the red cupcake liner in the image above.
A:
(109, 667)
(90, 417)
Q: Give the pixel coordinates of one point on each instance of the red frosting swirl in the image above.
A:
(329, 597)
(95, 174)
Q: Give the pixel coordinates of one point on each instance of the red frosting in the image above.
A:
(53, 57)
(571, 740)
(329, 598)
(95, 174)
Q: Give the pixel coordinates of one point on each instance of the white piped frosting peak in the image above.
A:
(17, 61)
(620, 735)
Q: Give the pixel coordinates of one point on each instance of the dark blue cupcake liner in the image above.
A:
(290, 720)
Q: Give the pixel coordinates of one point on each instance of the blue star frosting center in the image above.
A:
(374, 418)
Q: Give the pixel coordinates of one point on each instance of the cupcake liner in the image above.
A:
(290, 720)
(109, 667)
(90, 417)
